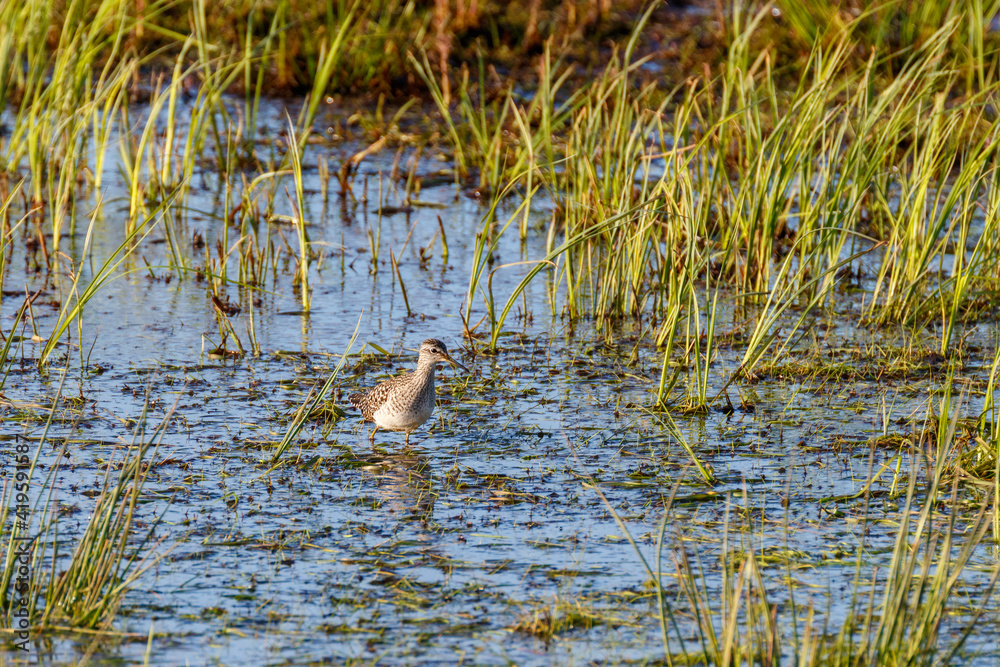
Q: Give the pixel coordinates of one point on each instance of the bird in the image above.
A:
(403, 403)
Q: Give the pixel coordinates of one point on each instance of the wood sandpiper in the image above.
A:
(403, 403)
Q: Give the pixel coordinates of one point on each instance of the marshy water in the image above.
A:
(487, 540)
(733, 345)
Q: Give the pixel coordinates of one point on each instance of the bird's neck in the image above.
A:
(425, 368)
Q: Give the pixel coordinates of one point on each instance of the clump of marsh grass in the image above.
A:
(771, 199)
(83, 589)
(562, 616)
(900, 619)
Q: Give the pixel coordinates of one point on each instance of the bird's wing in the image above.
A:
(368, 402)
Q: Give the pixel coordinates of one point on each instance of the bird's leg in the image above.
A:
(407, 440)
(371, 438)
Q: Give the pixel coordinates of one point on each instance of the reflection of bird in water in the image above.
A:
(407, 486)
(405, 402)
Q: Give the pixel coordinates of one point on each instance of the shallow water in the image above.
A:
(437, 553)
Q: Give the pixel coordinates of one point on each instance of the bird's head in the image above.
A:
(433, 351)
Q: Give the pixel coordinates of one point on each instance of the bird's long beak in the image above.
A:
(455, 363)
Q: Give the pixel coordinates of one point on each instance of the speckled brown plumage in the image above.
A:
(368, 402)
(403, 403)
